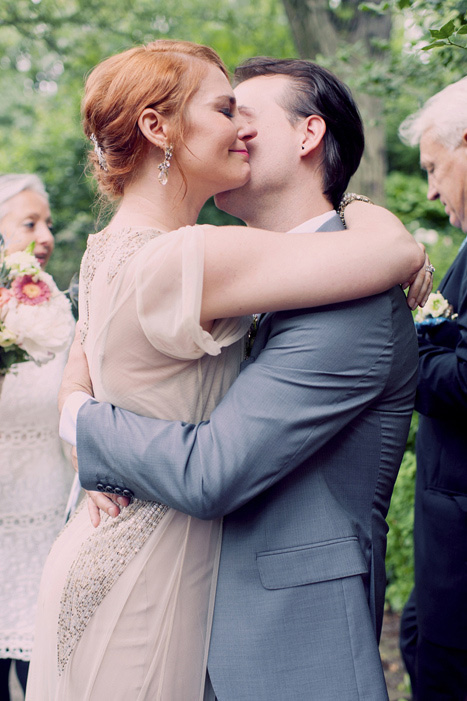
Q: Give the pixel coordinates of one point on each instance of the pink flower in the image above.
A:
(5, 296)
(29, 291)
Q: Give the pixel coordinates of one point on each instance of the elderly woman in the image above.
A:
(35, 476)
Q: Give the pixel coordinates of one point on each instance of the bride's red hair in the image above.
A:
(163, 74)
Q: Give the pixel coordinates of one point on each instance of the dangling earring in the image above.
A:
(165, 165)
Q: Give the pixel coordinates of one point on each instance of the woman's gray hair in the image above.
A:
(13, 183)
(445, 113)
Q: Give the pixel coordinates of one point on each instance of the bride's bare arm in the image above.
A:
(249, 270)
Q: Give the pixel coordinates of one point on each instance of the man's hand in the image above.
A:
(76, 374)
(98, 501)
(420, 285)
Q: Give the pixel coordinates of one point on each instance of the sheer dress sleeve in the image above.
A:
(169, 287)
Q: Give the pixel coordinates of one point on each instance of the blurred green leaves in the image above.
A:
(46, 49)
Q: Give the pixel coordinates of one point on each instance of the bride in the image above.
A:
(125, 608)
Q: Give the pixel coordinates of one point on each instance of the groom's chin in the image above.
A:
(230, 202)
(222, 199)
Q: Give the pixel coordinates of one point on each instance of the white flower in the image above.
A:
(35, 317)
(7, 337)
(23, 263)
(42, 330)
(435, 307)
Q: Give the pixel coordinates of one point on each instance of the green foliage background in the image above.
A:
(48, 46)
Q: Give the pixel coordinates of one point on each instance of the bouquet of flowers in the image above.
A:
(35, 317)
(436, 311)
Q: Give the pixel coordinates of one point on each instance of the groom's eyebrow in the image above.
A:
(246, 111)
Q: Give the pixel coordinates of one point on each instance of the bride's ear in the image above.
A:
(153, 127)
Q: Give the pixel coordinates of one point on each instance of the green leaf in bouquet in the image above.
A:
(9, 357)
(3, 267)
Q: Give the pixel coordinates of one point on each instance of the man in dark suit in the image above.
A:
(302, 453)
(434, 622)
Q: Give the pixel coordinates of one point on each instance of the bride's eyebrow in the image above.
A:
(230, 98)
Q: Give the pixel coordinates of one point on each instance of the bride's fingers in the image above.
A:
(416, 291)
(97, 502)
(428, 286)
(427, 282)
(421, 285)
(94, 513)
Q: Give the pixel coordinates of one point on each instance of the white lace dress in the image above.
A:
(125, 609)
(35, 478)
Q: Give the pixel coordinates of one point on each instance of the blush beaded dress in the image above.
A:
(125, 609)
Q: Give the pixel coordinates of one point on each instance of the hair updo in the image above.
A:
(164, 75)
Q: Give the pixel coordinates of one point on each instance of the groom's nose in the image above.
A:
(246, 131)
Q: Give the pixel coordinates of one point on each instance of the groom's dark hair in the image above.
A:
(315, 90)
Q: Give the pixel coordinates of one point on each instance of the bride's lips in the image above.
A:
(240, 150)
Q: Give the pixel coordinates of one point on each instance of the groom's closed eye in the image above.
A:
(247, 112)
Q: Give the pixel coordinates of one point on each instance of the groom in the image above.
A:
(302, 453)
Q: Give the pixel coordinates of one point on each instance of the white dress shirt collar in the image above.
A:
(313, 224)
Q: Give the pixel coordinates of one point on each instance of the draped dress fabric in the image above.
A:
(35, 479)
(125, 609)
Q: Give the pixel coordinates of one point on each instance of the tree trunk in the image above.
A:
(320, 31)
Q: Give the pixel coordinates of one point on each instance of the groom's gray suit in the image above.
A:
(301, 456)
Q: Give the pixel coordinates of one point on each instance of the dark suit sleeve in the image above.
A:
(442, 385)
(305, 385)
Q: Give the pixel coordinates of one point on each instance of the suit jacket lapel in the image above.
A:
(454, 276)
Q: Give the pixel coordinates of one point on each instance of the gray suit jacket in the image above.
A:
(301, 457)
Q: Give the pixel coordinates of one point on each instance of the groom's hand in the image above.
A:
(76, 374)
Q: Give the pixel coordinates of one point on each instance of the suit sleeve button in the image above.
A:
(127, 493)
(100, 487)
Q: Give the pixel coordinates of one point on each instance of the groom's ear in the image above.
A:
(154, 127)
(314, 129)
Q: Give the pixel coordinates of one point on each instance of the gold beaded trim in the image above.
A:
(131, 241)
(101, 560)
(119, 247)
(94, 255)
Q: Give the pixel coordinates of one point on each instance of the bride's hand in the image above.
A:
(420, 285)
(99, 501)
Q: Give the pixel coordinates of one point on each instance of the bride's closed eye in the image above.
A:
(227, 111)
